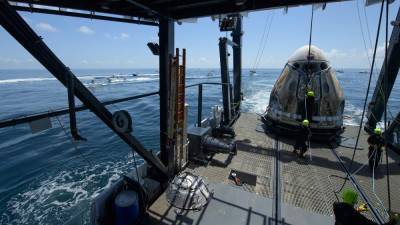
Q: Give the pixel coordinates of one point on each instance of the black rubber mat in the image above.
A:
(245, 178)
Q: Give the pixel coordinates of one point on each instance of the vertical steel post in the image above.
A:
(237, 64)
(166, 42)
(71, 105)
(223, 54)
(199, 105)
(232, 110)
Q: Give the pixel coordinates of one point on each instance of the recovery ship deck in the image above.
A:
(295, 191)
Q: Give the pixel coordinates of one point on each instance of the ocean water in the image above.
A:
(46, 179)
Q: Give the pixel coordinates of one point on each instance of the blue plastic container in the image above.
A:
(126, 206)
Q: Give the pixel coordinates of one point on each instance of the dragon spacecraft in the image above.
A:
(307, 71)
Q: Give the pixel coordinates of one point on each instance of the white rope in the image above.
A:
(373, 176)
(364, 164)
(261, 40)
(373, 189)
(264, 41)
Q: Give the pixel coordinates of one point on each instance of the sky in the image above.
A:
(94, 44)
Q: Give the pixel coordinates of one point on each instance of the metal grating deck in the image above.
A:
(306, 191)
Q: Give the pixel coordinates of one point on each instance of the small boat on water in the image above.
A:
(339, 71)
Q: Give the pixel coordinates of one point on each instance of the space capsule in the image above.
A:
(306, 71)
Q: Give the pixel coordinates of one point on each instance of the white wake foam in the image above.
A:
(258, 102)
(114, 78)
(50, 200)
(352, 114)
(33, 79)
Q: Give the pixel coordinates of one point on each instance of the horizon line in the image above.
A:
(156, 68)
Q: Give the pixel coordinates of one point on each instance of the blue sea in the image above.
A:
(46, 179)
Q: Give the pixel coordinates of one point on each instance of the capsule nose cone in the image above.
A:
(307, 89)
(301, 54)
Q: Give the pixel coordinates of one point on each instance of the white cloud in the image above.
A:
(7, 60)
(380, 51)
(335, 54)
(204, 59)
(356, 57)
(45, 27)
(120, 36)
(116, 61)
(85, 30)
(124, 35)
(84, 61)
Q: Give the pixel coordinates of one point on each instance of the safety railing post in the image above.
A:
(199, 105)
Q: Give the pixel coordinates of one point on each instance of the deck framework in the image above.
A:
(303, 189)
(285, 186)
(154, 9)
(161, 13)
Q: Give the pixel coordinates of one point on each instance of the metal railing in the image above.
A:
(58, 112)
(63, 111)
(200, 97)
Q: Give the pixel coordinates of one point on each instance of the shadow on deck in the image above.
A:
(307, 185)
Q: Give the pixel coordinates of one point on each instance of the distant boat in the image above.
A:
(364, 71)
(339, 71)
(252, 72)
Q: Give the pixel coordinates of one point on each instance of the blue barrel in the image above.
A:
(126, 206)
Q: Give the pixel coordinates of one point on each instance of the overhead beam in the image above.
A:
(108, 7)
(20, 30)
(215, 7)
(381, 94)
(83, 15)
(174, 9)
(144, 7)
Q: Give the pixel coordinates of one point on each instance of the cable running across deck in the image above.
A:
(375, 214)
